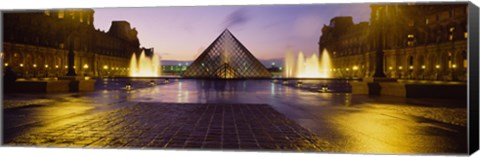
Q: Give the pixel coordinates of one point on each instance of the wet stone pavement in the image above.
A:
(171, 125)
(236, 115)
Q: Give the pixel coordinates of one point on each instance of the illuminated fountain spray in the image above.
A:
(145, 66)
(289, 64)
(310, 67)
(325, 64)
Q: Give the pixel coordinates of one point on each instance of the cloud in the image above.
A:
(237, 18)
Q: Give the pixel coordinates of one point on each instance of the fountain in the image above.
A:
(145, 66)
(310, 67)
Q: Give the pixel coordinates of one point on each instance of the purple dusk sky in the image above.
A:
(182, 33)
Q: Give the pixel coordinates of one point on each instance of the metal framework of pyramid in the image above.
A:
(226, 58)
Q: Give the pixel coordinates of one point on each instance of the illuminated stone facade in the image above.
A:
(420, 42)
(36, 44)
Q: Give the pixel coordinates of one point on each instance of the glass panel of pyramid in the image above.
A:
(226, 58)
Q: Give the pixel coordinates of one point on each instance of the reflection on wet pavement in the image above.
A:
(341, 121)
(195, 126)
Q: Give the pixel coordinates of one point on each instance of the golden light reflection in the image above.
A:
(373, 133)
(64, 124)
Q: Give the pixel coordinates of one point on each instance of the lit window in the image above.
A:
(47, 12)
(61, 14)
(411, 36)
(81, 17)
(450, 37)
(426, 21)
(465, 35)
(452, 29)
(465, 63)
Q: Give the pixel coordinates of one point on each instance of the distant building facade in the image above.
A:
(36, 44)
(419, 41)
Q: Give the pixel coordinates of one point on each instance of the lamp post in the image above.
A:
(379, 53)
(71, 60)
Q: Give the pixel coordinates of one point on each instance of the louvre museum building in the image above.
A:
(419, 42)
(36, 44)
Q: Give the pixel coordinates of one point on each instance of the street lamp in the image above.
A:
(85, 67)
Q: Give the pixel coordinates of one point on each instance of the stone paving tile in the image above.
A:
(174, 126)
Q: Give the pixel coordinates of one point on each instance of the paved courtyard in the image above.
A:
(245, 115)
(193, 126)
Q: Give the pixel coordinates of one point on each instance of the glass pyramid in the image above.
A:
(226, 58)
